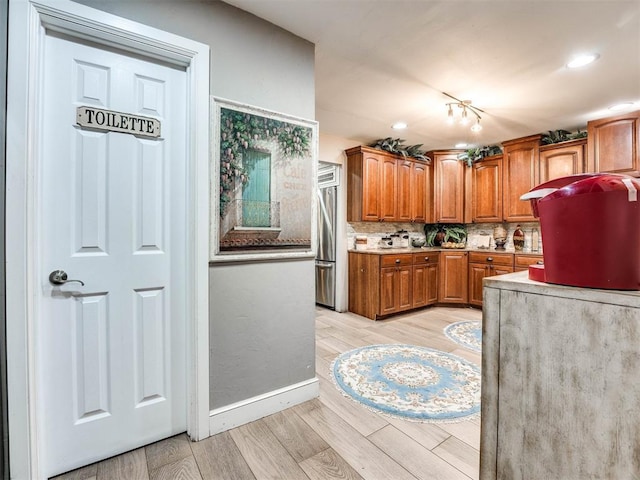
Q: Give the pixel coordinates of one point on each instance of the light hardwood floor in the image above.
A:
(327, 438)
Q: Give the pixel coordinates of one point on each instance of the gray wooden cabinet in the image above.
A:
(560, 392)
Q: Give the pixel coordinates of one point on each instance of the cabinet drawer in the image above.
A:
(526, 260)
(396, 260)
(491, 258)
(420, 258)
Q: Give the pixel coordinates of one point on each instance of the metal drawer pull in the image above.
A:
(397, 260)
(489, 259)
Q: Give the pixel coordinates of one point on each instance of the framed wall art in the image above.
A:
(263, 184)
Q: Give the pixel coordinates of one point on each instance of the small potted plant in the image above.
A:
(445, 235)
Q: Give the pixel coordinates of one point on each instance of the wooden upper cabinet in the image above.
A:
(371, 185)
(449, 186)
(388, 190)
(613, 144)
(414, 191)
(386, 187)
(421, 192)
(371, 177)
(404, 171)
(486, 190)
(519, 175)
(562, 159)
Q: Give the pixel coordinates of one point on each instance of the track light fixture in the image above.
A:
(464, 106)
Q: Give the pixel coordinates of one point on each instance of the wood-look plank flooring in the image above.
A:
(331, 437)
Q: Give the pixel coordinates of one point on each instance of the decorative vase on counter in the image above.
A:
(500, 237)
(518, 239)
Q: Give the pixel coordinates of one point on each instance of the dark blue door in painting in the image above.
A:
(256, 193)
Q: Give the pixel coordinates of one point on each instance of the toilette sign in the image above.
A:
(110, 121)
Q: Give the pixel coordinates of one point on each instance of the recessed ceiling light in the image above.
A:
(621, 106)
(399, 126)
(461, 145)
(582, 60)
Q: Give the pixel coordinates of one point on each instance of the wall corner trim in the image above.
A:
(255, 408)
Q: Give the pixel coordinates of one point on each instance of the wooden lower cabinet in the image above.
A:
(453, 285)
(395, 289)
(482, 265)
(425, 279)
(383, 284)
(522, 262)
(363, 284)
(380, 284)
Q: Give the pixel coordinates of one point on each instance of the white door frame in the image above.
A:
(28, 21)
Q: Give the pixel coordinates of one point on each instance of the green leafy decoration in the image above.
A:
(396, 145)
(453, 232)
(557, 136)
(240, 131)
(479, 153)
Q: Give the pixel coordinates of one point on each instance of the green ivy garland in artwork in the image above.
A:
(240, 131)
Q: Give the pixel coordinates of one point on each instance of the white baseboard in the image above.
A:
(239, 413)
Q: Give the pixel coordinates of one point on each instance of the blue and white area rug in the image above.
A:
(410, 382)
(467, 334)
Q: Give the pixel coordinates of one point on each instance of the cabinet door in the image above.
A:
(486, 181)
(372, 171)
(405, 173)
(453, 282)
(499, 270)
(477, 272)
(388, 291)
(363, 284)
(449, 188)
(519, 175)
(562, 160)
(613, 144)
(405, 287)
(396, 285)
(432, 284)
(420, 285)
(522, 262)
(388, 192)
(420, 191)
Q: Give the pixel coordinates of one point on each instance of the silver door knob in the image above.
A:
(59, 277)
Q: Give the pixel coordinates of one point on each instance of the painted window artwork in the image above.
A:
(266, 164)
(256, 193)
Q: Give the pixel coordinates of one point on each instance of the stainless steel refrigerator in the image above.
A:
(326, 251)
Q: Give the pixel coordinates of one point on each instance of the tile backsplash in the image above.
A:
(477, 233)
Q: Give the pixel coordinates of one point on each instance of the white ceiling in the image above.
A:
(382, 61)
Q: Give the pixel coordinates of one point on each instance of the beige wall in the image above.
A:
(332, 148)
(261, 313)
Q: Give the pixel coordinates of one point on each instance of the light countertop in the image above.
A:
(396, 251)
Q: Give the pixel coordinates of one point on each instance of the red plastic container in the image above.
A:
(590, 227)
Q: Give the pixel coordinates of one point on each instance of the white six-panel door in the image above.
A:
(110, 354)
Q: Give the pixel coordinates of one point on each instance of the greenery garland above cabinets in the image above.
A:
(396, 145)
(557, 136)
(477, 154)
